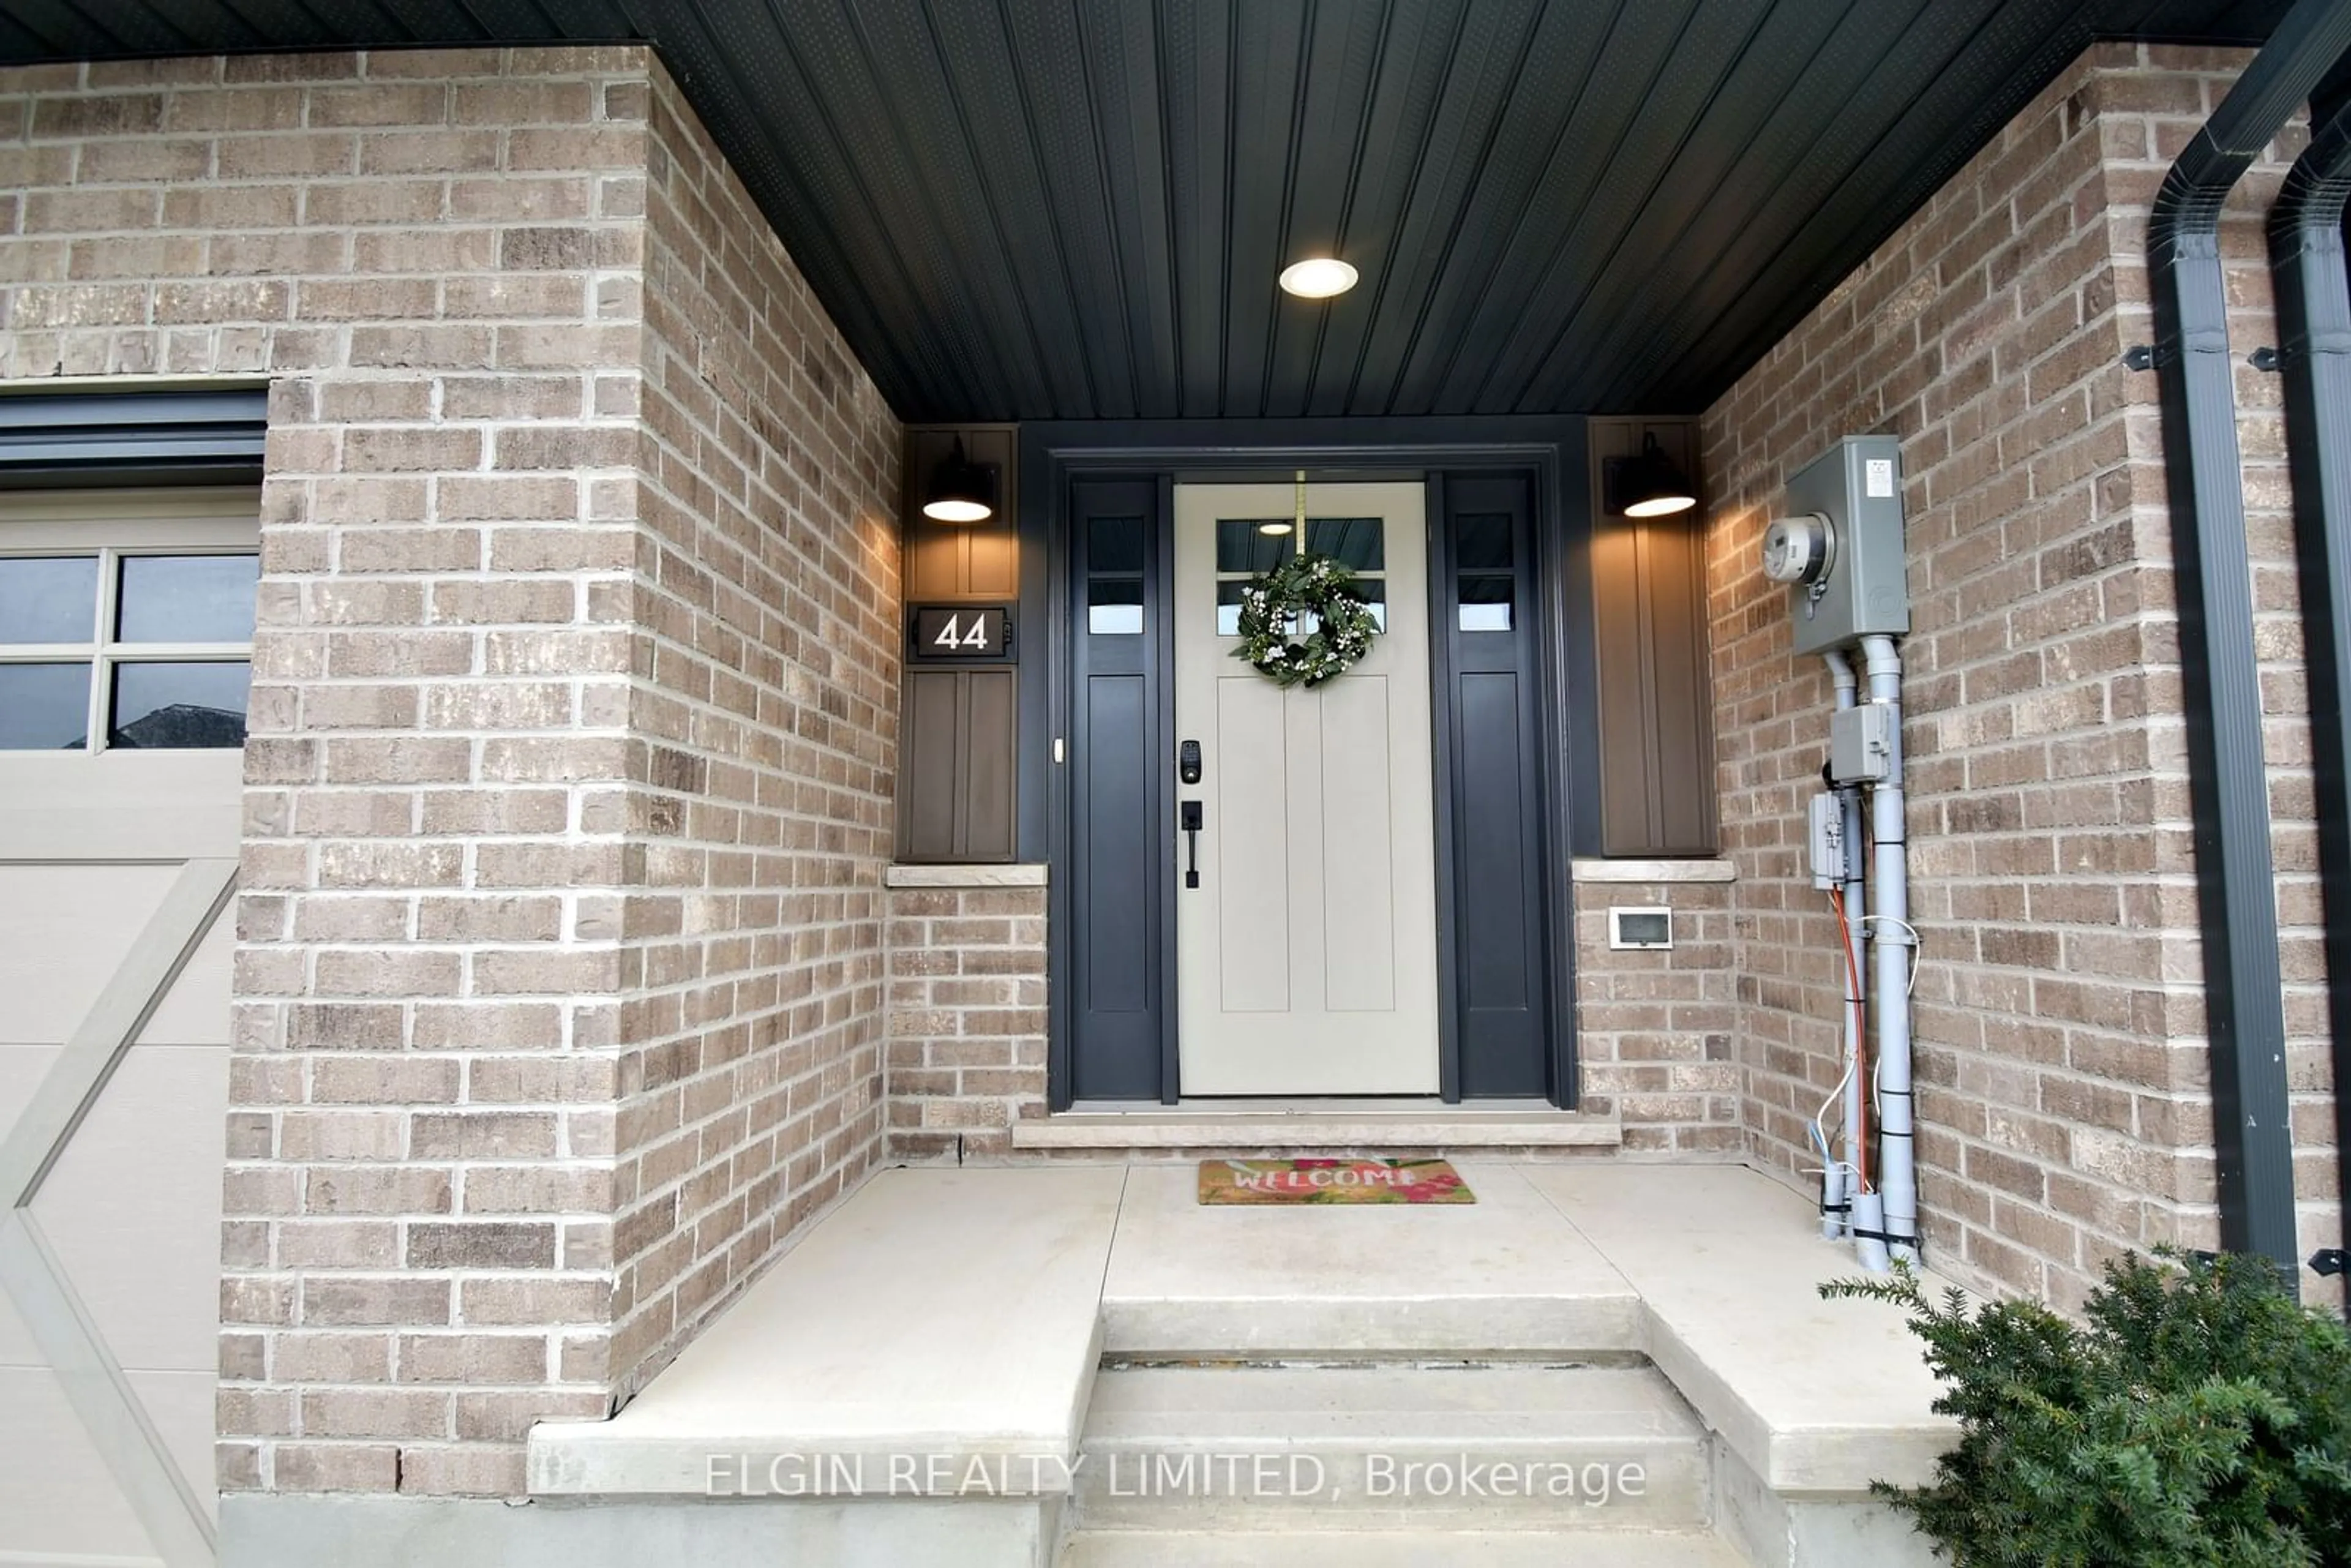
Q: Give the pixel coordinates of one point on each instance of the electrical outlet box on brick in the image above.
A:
(1839, 546)
(1640, 929)
(1861, 744)
(1830, 866)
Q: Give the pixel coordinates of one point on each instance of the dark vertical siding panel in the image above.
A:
(961, 561)
(991, 564)
(928, 752)
(958, 800)
(1656, 719)
(1682, 696)
(934, 563)
(991, 711)
(1628, 783)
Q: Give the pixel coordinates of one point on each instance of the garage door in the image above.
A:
(126, 626)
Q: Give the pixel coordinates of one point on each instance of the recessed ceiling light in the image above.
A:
(1318, 277)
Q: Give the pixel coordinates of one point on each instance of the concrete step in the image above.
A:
(837, 1371)
(1414, 1548)
(1396, 1447)
(1507, 1274)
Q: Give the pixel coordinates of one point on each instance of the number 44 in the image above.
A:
(951, 635)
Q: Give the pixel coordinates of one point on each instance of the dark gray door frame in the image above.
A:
(1551, 451)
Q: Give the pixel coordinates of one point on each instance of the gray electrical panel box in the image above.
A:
(1861, 748)
(1839, 546)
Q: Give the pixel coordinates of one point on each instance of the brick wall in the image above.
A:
(967, 1017)
(967, 1020)
(2064, 1107)
(765, 708)
(1654, 1029)
(572, 713)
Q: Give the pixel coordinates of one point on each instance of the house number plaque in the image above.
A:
(965, 632)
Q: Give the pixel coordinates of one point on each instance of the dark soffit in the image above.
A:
(1073, 209)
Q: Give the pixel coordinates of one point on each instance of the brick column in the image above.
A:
(765, 720)
(1654, 1028)
(967, 1016)
(573, 714)
(418, 1252)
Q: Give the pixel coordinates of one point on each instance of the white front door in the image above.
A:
(1306, 957)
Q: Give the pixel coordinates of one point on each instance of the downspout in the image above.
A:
(2227, 784)
(2313, 309)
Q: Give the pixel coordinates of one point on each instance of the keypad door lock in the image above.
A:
(1187, 762)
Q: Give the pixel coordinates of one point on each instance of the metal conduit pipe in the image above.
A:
(2313, 309)
(2229, 787)
(1892, 946)
(1840, 1183)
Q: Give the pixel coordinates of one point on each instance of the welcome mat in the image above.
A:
(1333, 1181)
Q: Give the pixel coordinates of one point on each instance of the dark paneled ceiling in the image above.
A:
(1030, 209)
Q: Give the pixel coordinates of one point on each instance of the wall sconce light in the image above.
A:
(1648, 484)
(960, 490)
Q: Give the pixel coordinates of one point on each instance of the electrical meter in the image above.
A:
(1798, 549)
(1838, 547)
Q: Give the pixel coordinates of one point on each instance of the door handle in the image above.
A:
(1191, 814)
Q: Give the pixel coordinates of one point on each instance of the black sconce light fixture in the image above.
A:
(960, 490)
(1648, 484)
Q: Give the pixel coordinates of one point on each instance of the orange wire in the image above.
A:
(1860, 1040)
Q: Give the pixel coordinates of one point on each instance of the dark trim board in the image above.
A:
(1548, 458)
(1170, 1069)
(1443, 799)
(65, 439)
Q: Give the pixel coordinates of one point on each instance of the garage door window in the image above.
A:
(150, 650)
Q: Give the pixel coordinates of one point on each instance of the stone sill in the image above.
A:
(1650, 872)
(1306, 1124)
(963, 876)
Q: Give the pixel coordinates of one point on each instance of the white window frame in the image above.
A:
(110, 526)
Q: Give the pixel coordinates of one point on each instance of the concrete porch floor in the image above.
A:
(965, 1316)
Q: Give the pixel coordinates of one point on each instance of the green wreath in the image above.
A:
(1274, 602)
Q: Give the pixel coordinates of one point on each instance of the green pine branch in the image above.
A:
(2197, 1416)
